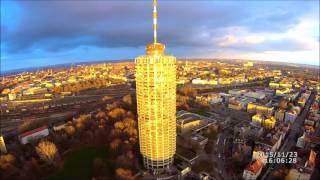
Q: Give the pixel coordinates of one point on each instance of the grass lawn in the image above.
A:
(78, 164)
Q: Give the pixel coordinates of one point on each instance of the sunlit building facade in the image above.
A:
(3, 148)
(156, 103)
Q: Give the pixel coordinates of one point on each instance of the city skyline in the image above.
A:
(285, 31)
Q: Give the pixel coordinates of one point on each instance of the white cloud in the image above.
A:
(254, 39)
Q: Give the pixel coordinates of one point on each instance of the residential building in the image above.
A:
(253, 170)
(258, 108)
(279, 114)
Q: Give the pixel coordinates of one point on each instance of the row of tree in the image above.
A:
(113, 127)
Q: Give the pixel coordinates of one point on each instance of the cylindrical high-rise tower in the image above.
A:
(156, 99)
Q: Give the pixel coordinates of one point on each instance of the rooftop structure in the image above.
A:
(34, 134)
(256, 95)
(190, 123)
(186, 155)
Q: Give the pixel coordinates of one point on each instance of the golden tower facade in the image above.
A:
(156, 103)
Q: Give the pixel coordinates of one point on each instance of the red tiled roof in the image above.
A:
(254, 166)
(32, 131)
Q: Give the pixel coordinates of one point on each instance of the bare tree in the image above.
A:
(122, 173)
(7, 161)
(127, 99)
(47, 151)
(117, 113)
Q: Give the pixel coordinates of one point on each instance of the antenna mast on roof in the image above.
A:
(155, 21)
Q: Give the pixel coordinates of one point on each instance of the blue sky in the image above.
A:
(39, 33)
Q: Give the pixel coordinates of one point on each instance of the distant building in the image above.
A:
(261, 120)
(183, 169)
(182, 81)
(205, 176)
(303, 99)
(186, 155)
(296, 173)
(225, 97)
(260, 150)
(204, 81)
(269, 123)
(253, 170)
(191, 123)
(257, 120)
(199, 140)
(285, 85)
(301, 141)
(209, 98)
(3, 148)
(214, 98)
(276, 140)
(313, 119)
(256, 95)
(239, 103)
(279, 114)
(273, 85)
(199, 81)
(258, 108)
(247, 131)
(290, 117)
(34, 134)
(237, 92)
(276, 72)
(187, 125)
(302, 170)
(59, 126)
(248, 64)
(311, 141)
(283, 92)
(12, 96)
(66, 93)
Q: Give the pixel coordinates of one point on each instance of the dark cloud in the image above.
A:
(57, 25)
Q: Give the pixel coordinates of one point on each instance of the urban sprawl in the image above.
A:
(235, 120)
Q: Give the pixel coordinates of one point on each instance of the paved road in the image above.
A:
(220, 158)
(290, 141)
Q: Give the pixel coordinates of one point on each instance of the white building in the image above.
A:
(237, 92)
(301, 141)
(204, 81)
(290, 117)
(255, 95)
(214, 98)
(34, 134)
(59, 127)
(199, 81)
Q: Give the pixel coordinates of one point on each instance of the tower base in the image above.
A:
(157, 166)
